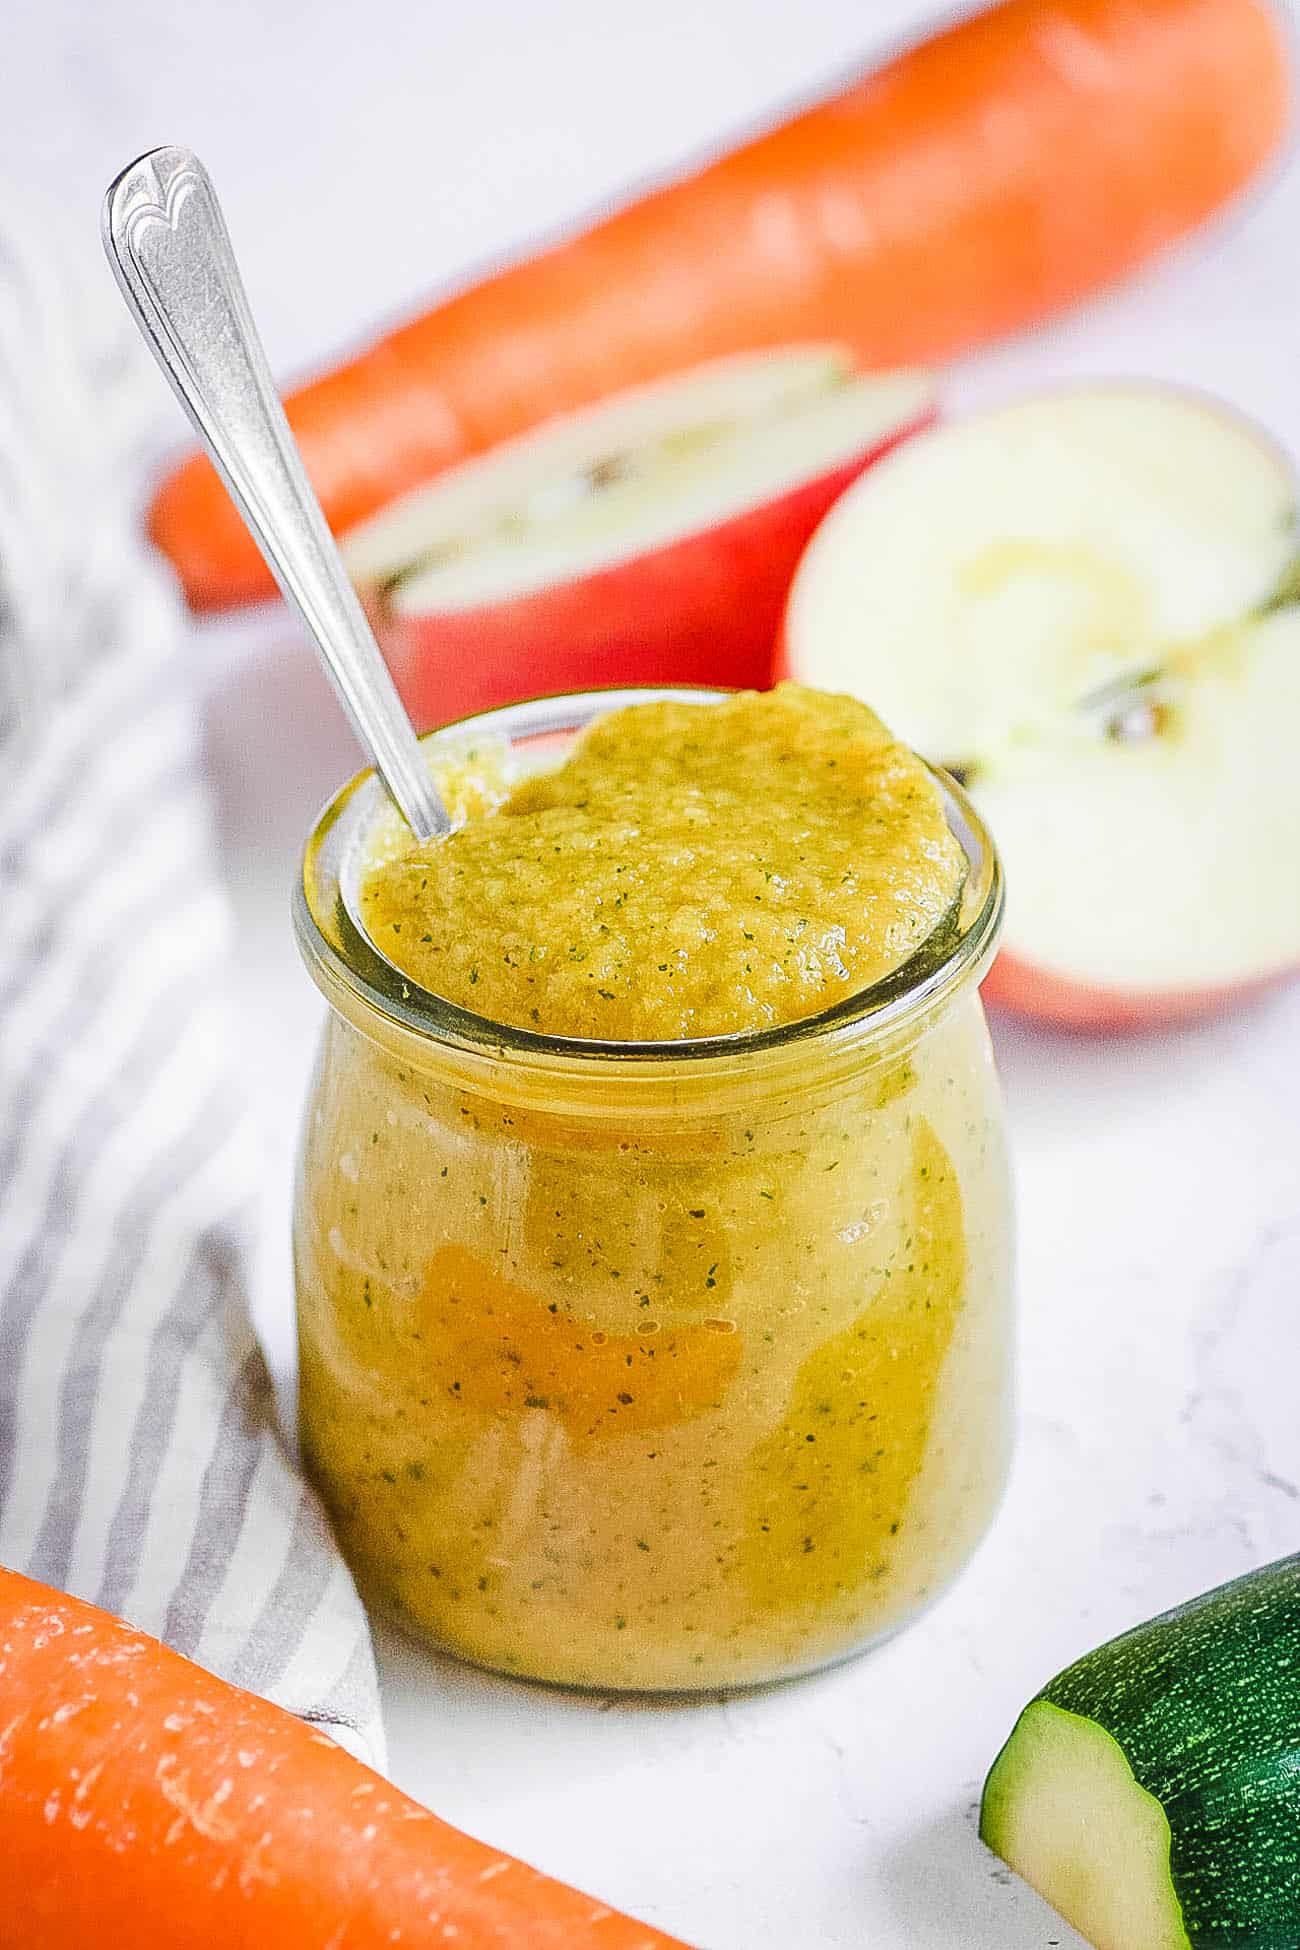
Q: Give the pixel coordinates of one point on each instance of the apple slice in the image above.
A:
(650, 539)
(1086, 605)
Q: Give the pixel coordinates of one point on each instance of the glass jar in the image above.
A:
(651, 1366)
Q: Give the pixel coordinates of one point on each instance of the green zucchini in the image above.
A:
(1151, 1792)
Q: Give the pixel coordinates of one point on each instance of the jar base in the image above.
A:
(393, 1621)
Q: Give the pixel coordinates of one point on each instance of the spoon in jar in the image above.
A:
(167, 242)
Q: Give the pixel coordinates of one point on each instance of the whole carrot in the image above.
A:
(980, 182)
(145, 1803)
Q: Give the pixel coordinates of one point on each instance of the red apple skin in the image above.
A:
(704, 609)
(1059, 1003)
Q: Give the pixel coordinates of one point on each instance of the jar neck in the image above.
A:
(434, 1037)
(818, 1062)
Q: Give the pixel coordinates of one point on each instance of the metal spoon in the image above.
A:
(167, 243)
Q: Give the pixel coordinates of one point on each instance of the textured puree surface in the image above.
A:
(656, 1383)
(688, 871)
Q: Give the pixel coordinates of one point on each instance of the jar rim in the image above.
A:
(345, 965)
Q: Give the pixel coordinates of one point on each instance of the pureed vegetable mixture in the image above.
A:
(678, 1386)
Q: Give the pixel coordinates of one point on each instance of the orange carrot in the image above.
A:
(980, 182)
(143, 1802)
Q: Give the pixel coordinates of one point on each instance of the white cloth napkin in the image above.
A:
(140, 1465)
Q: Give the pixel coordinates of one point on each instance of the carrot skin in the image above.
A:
(143, 1801)
(977, 184)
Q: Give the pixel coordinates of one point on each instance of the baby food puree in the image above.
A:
(685, 872)
(665, 1373)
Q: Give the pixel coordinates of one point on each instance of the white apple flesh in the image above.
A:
(649, 539)
(1085, 602)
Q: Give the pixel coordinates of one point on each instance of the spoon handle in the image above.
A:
(170, 251)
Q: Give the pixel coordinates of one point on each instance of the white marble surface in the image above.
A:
(367, 153)
(1159, 1194)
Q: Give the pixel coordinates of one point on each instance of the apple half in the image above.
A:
(649, 539)
(1085, 605)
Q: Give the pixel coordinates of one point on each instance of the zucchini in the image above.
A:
(1151, 1792)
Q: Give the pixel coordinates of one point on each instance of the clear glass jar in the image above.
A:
(654, 1366)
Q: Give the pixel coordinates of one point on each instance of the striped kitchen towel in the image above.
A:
(140, 1464)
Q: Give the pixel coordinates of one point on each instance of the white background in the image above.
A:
(366, 154)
